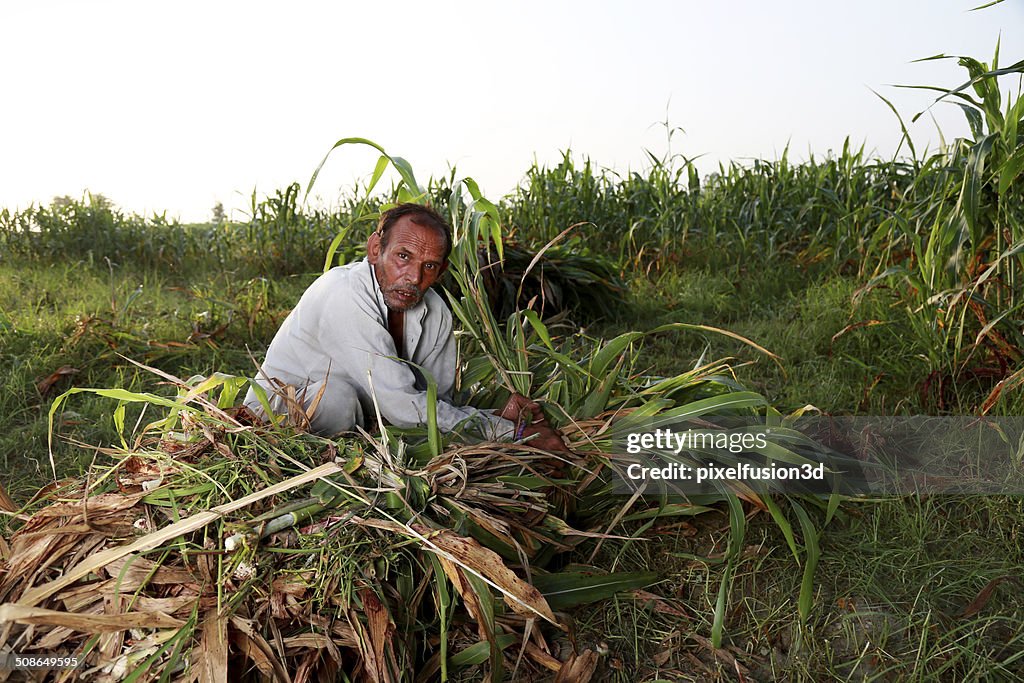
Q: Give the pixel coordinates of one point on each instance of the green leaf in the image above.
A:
(569, 589)
(340, 143)
(433, 433)
(783, 524)
(834, 501)
(264, 401)
(119, 422)
(1010, 169)
(670, 510)
(903, 126)
(610, 351)
(485, 602)
(230, 387)
(335, 243)
(182, 640)
(810, 535)
(120, 394)
(974, 181)
(974, 120)
(738, 526)
(477, 653)
(597, 400)
(444, 602)
(405, 170)
(539, 327)
(724, 404)
(975, 79)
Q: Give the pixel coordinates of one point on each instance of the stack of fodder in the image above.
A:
(214, 548)
(557, 278)
(222, 550)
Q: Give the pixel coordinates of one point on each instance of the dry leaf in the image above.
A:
(254, 646)
(187, 525)
(658, 603)
(720, 653)
(579, 668)
(103, 504)
(213, 649)
(110, 644)
(90, 623)
(376, 644)
(44, 386)
(543, 658)
(6, 504)
(521, 596)
(979, 602)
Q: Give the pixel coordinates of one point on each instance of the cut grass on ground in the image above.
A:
(901, 585)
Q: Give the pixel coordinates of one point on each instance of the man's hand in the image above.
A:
(529, 418)
(546, 438)
(522, 410)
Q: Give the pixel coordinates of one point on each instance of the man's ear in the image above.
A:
(373, 248)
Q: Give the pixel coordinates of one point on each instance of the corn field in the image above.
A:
(207, 545)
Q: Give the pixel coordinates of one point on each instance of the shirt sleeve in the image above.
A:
(356, 339)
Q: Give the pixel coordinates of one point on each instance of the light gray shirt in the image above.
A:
(338, 335)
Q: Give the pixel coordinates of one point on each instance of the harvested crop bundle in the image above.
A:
(229, 547)
(215, 547)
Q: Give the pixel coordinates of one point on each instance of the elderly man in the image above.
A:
(348, 339)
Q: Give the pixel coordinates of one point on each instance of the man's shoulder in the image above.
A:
(436, 306)
(349, 277)
(435, 301)
(357, 270)
(339, 289)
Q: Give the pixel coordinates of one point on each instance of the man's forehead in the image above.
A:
(409, 234)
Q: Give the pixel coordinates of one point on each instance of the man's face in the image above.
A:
(411, 262)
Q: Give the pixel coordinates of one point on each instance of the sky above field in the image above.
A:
(177, 106)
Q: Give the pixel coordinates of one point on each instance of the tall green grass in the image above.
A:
(954, 249)
(279, 238)
(822, 210)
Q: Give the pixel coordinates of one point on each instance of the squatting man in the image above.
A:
(345, 345)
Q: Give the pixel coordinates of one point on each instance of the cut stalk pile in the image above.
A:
(393, 563)
(216, 548)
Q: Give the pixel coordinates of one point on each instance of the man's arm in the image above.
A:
(525, 414)
(358, 342)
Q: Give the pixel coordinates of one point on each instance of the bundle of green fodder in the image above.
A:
(213, 548)
(562, 277)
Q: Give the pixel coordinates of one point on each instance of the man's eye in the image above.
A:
(404, 257)
(430, 266)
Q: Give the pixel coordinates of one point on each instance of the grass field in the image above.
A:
(895, 576)
(886, 288)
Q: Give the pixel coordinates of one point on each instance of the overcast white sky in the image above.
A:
(176, 106)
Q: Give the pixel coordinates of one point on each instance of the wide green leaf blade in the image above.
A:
(810, 535)
(569, 589)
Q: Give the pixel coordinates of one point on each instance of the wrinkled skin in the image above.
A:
(410, 262)
(519, 409)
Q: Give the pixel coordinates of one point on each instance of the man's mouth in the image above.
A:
(406, 295)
